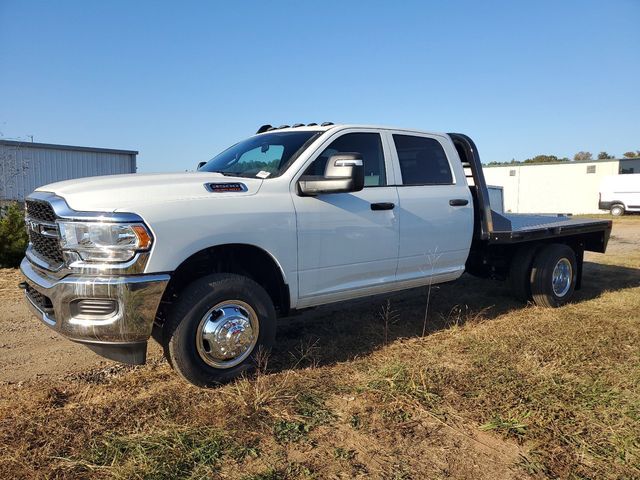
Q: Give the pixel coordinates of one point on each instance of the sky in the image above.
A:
(181, 81)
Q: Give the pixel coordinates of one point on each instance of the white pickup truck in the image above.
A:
(292, 217)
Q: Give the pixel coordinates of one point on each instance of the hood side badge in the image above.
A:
(225, 187)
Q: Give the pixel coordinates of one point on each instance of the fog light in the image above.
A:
(93, 308)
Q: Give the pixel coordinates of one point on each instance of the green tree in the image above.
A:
(536, 159)
(13, 236)
(604, 156)
(632, 154)
(582, 156)
(545, 159)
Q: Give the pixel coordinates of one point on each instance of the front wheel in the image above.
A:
(216, 328)
(553, 275)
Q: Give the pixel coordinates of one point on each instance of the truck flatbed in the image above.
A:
(513, 228)
(494, 230)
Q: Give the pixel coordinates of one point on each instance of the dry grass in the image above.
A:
(494, 390)
(564, 383)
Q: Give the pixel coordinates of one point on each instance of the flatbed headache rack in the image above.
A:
(493, 228)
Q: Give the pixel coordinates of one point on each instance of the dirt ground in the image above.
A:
(29, 350)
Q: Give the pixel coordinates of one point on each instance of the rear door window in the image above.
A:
(422, 161)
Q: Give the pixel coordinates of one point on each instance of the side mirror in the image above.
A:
(344, 173)
(200, 165)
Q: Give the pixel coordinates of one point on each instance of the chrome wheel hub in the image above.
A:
(562, 277)
(227, 334)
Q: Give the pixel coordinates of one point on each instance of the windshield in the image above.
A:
(262, 156)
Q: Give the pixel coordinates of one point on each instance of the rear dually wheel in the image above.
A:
(553, 275)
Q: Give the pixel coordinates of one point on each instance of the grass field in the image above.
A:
(493, 390)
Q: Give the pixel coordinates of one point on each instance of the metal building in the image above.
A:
(563, 187)
(25, 166)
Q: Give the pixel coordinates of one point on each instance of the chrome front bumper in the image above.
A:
(120, 336)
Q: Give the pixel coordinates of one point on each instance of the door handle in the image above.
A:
(458, 202)
(382, 206)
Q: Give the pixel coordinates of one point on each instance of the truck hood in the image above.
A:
(110, 193)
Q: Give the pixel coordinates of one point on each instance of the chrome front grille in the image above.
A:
(43, 233)
(48, 248)
(38, 210)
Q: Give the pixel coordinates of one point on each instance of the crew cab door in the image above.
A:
(348, 242)
(435, 208)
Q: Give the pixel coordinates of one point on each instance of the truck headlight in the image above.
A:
(104, 242)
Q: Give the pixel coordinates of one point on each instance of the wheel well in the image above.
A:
(495, 261)
(247, 260)
(577, 244)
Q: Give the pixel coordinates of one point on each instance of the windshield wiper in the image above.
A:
(233, 174)
(226, 174)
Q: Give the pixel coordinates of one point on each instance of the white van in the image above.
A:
(620, 194)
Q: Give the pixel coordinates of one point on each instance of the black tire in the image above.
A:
(520, 273)
(617, 210)
(544, 263)
(184, 317)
